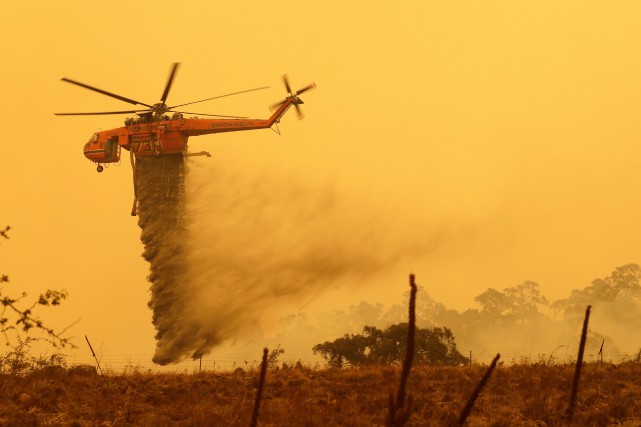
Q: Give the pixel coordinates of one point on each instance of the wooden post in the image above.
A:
(475, 394)
(601, 352)
(579, 363)
(259, 390)
(94, 356)
(401, 410)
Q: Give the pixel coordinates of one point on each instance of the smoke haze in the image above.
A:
(518, 322)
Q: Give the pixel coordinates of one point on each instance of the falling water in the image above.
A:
(160, 187)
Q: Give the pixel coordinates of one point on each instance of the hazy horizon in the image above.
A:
(477, 145)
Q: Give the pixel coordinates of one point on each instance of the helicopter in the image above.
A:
(155, 133)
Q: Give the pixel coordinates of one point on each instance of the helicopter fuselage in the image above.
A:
(162, 137)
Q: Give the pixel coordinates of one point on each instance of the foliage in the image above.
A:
(272, 358)
(15, 314)
(428, 312)
(519, 315)
(512, 305)
(622, 288)
(19, 359)
(433, 345)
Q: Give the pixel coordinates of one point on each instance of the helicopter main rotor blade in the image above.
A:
(98, 114)
(169, 82)
(299, 112)
(210, 115)
(104, 92)
(306, 88)
(222, 96)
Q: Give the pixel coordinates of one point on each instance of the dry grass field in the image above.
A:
(534, 395)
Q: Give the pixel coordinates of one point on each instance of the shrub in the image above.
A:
(433, 346)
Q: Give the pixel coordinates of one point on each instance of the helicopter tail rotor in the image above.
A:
(294, 95)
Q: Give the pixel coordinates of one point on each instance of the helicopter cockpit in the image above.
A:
(102, 148)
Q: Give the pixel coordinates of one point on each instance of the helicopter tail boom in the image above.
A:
(196, 127)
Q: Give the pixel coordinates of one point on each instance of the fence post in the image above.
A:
(259, 390)
(475, 394)
(601, 352)
(579, 363)
(94, 356)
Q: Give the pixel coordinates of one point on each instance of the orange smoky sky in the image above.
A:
(490, 142)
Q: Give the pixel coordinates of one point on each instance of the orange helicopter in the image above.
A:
(155, 133)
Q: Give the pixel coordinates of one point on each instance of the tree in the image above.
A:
(433, 345)
(620, 292)
(349, 349)
(518, 304)
(355, 317)
(15, 315)
(617, 297)
(428, 311)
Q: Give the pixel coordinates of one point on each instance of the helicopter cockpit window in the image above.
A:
(94, 137)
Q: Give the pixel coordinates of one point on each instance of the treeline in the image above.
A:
(519, 318)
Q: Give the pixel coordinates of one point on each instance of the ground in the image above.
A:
(528, 395)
